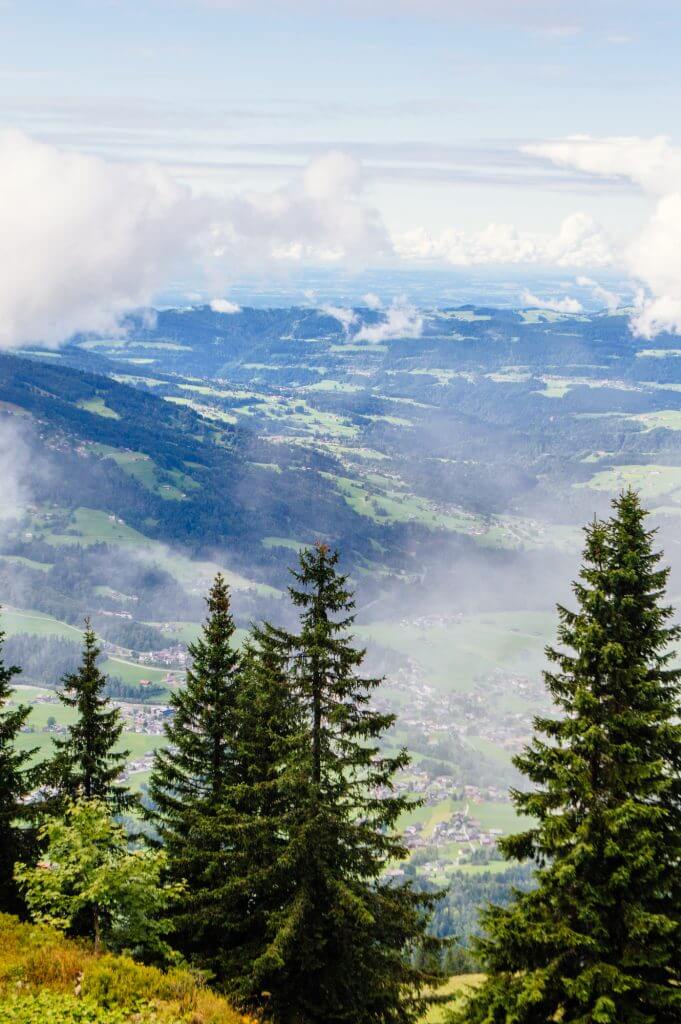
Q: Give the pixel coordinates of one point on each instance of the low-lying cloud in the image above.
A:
(400, 321)
(564, 305)
(652, 258)
(83, 240)
(579, 242)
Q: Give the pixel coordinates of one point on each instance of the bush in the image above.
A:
(40, 969)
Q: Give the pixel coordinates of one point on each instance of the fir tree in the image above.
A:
(339, 943)
(87, 764)
(599, 939)
(191, 778)
(16, 781)
(255, 815)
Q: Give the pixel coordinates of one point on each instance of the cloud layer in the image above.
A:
(580, 242)
(653, 257)
(83, 240)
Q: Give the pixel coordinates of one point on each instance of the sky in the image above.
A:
(150, 146)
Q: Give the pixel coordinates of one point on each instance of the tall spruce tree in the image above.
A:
(16, 781)
(86, 763)
(339, 942)
(255, 816)
(191, 779)
(599, 939)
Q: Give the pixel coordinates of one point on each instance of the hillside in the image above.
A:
(47, 978)
(442, 464)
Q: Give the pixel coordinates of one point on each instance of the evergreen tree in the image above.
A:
(16, 781)
(339, 943)
(255, 816)
(191, 778)
(86, 764)
(599, 939)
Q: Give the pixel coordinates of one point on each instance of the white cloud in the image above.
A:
(401, 321)
(372, 301)
(346, 317)
(224, 306)
(654, 164)
(652, 258)
(320, 217)
(565, 305)
(610, 300)
(579, 243)
(83, 241)
(14, 461)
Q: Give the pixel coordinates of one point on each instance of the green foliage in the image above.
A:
(48, 1008)
(85, 763)
(16, 781)
(45, 977)
(599, 939)
(90, 882)
(191, 777)
(338, 942)
(255, 819)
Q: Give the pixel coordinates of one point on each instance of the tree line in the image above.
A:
(272, 818)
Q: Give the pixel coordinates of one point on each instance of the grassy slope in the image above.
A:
(39, 969)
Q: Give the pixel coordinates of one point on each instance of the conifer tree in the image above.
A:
(338, 944)
(192, 776)
(256, 812)
(87, 764)
(599, 939)
(16, 781)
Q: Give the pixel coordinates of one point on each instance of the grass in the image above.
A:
(455, 653)
(28, 563)
(143, 469)
(39, 969)
(491, 814)
(455, 987)
(98, 407)
(666, 419)
(91, 526)
(651, 481)
(14, 621)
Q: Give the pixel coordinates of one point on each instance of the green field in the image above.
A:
(651, 481)
(91, 526)
(455, 653)
(454, 987)
(667, 419)
(98, 407)
(14, 621)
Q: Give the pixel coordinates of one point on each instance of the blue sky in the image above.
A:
(435, 102)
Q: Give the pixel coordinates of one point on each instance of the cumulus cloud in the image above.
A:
(564, 305)
(372, 301)
(652, 258)
(346, 317)
(224, 306)
(321, 217)
(610, 300)
(83, 240)
(579, 242)
(400, 321)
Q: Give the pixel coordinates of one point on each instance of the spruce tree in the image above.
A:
(599, 939)
(191, 778)
(86, 764)
(16, 781)
(339, 943)
(254, 818)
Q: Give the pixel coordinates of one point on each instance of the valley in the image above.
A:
(442, 466)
